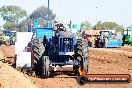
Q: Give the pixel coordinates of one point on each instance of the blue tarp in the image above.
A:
(113, 43)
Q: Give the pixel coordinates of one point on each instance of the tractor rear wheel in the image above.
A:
(81, 55)
(38, 51)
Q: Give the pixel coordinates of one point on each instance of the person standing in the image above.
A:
(99, 42)
(106, 41)
(89, 41)
(96, 42)
(92, 40)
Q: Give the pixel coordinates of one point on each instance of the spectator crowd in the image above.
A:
(98, 42)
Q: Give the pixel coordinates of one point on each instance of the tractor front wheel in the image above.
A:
(81, 56)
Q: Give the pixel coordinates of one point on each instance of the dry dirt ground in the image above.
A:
(9, 77)
(101, 61)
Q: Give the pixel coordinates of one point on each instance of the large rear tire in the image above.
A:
(38, 51)
(82, 55)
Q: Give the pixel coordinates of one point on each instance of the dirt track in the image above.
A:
(102, 61)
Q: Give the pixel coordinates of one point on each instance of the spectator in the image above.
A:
(96, 42)
(99, 42)
(91, 41)
(102, 42)
(106, 41)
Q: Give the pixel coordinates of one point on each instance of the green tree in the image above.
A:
(23, 25)
(42, 22)
(10, 26)
(11, 15)
(42, 12)
(108, 25)
(85, 25)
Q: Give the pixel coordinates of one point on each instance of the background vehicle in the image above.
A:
(5, 40)
(127, 37)
(8, 37)
(112, 38)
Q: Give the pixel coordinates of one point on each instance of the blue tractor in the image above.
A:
(57, 50)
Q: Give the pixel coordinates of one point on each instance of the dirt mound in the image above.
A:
(1, 55)
(10, 78)
(8, 50)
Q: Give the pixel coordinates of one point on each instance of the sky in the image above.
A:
(118, 11)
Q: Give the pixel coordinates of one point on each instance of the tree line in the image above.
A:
(17, 19)
(101, 26)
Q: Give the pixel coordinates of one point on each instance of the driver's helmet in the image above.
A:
(58, 24)
(57, 21)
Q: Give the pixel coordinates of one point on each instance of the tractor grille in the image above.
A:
(66, 45)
